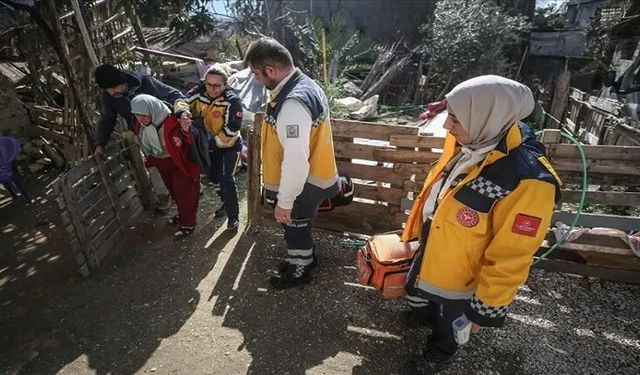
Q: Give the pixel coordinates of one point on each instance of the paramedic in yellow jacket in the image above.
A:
(218, 110)
(483, 212)
(298, 162)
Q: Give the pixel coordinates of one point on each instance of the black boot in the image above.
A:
(293, 275)
(282, 267)
(428, 365)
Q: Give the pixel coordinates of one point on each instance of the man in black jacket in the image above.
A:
(120, 86)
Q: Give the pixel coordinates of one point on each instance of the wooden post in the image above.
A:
(133, 18)
(79, 225)
(149, 199)
(560, 95)
(57, 38)
(85, 34)
(254, 185)
(111, 192)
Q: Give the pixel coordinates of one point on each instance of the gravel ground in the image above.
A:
(203, 305)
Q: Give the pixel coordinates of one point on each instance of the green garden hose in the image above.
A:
(585, 186)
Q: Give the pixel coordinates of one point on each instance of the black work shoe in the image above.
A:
(416, 318)
(282, 267)
(293, 275)
(426, 366)
(220, 212)
(233, 224)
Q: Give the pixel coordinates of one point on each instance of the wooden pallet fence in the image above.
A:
(384, 162)
(598, 121)
(99, 198)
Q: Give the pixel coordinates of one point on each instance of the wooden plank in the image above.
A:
(569, 177)
(254, 181)
(95, 225)
(108, 245)
(125, 198)
(382, 153)
(414, 186)
(626, 223)
(349, 150)
(139, 172)
(605, 273)
(406, 156)
(172, 56)
(599, 166)
(369, 130)
(133, 210)
(52, 135)
(370, 172)
(594, 255)
(111, 190)
(419, 170)
(598, 239)
(399, 140)
(84, 185)
(106, 232)
(612, 198)
(378, 193)
(64, 189)
(560, 96)
(82, 170)
(570, 151)
(102, 205)
(91, 198)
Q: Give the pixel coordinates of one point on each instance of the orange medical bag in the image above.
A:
(384, 263)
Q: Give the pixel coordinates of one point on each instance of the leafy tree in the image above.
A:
(346, 49)
(189, 18)
(468, 38)
(549, 18)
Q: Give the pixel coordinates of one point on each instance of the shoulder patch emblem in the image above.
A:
(293, 131)
(526, 225)
(467, 217)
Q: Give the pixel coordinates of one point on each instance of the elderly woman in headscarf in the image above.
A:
(483, 212)
(165, 142)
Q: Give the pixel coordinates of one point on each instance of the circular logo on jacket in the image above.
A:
(467, 217)
(217, 114)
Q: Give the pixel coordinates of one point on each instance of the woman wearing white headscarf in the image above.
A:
(483, 212)
(165, 142)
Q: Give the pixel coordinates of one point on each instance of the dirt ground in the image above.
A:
(203, 306)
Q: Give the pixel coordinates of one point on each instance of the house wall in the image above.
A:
(383, 21)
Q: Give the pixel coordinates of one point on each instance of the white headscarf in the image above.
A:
(485, 107)
(143, 104)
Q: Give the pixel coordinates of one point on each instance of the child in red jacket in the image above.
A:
(165, 142)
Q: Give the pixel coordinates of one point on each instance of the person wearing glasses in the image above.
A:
(218, 110)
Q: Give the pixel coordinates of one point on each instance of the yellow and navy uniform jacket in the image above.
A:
(485, 230)
(221, 117)
(323, 172)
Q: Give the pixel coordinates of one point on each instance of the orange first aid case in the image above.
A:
(384, 263)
